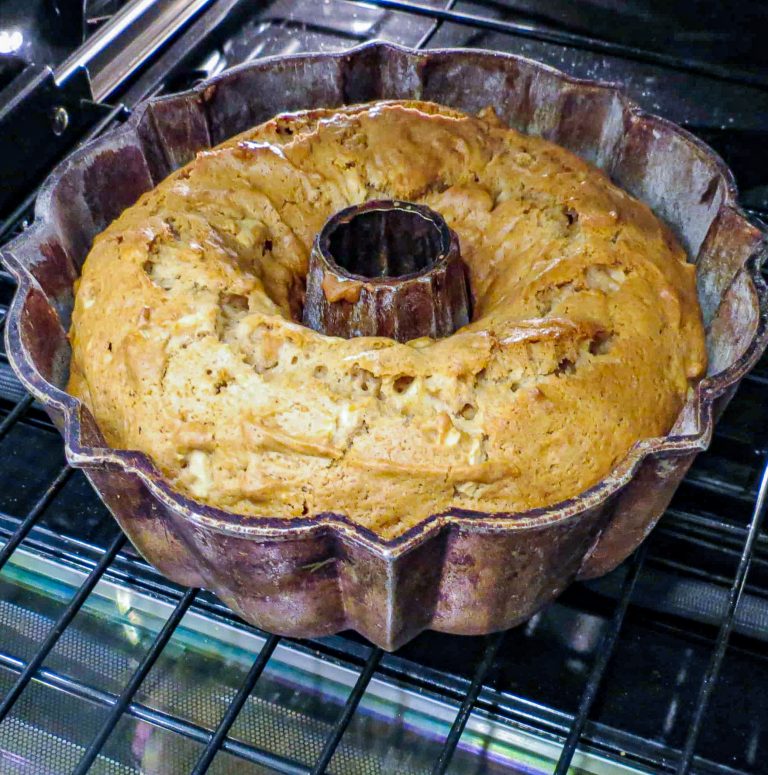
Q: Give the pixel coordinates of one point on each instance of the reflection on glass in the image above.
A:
(10, 41)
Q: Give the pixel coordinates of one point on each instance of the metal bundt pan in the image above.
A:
(459, 572)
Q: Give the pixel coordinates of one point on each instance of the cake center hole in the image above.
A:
(389, 241)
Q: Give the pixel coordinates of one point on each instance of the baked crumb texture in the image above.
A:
(586, 330)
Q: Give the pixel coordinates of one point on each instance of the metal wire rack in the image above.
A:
(697, 527)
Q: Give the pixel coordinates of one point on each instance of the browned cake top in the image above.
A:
(585, 337)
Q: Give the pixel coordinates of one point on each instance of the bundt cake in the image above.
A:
(187, 342)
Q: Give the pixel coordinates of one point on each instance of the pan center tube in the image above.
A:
(387, 268)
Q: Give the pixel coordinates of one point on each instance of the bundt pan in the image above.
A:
(459, 571)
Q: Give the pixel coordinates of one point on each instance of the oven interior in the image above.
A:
(661, 666)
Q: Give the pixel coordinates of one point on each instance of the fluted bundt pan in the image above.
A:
(459, 571)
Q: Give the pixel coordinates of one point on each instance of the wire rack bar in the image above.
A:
(67, 615)
(155, 717)
(122, 702)
(18, 213)
(430, 33)
(737, 589)
(481, 671)
(33, 515)
(573, 40)
(15, 414)
(605, 651)
(222, 730)
(350, 707)
(758, 379)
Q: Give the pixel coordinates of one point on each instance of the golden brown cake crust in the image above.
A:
(586, 332)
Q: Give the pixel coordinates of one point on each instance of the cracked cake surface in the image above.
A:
(585, 336)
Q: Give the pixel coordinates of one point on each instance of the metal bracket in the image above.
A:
(39, 121)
